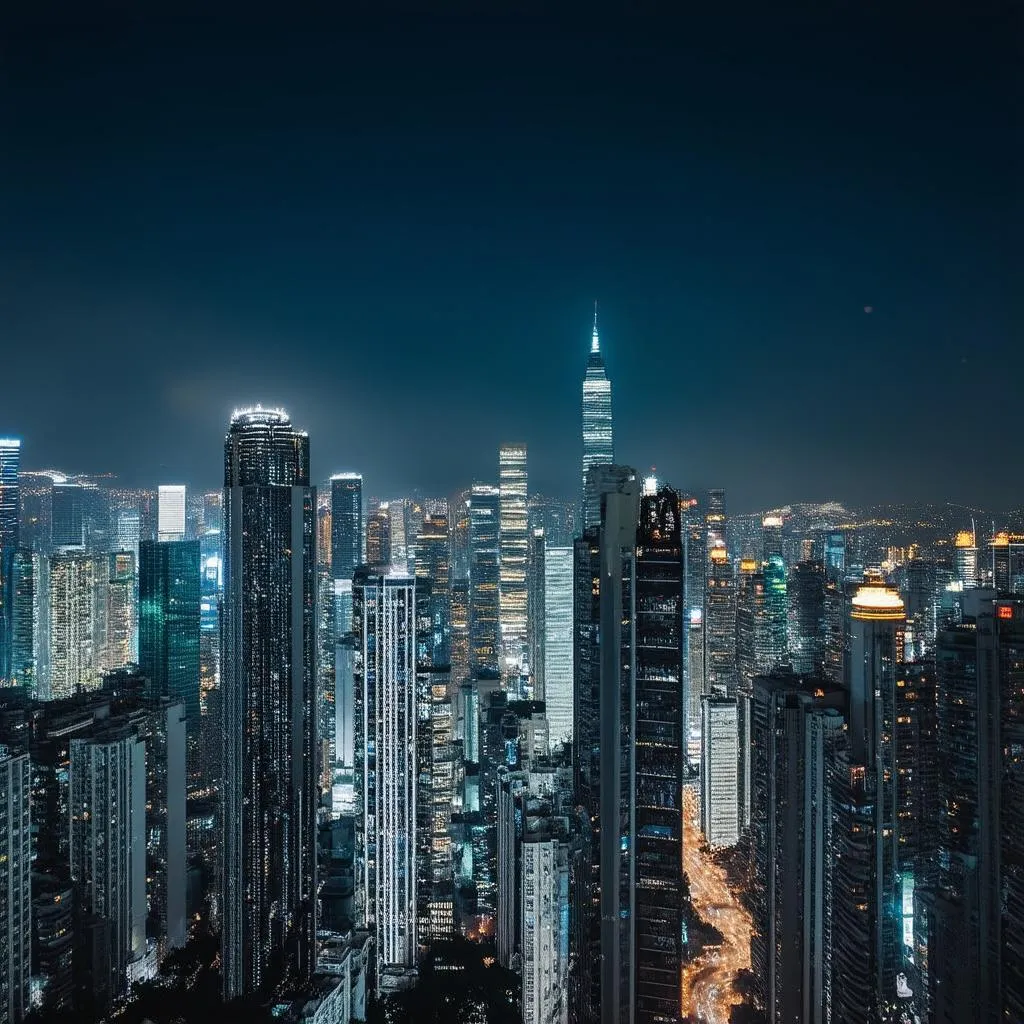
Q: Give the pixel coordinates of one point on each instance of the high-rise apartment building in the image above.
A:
(268, 690)
(15, 885)
(72, 658)
(484, 577)
(108, 843)
(720, 622)
(598, 438)
(558, 642)
(514, 544)
(386, 772)
(171, 513)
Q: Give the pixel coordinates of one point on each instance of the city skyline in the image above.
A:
(806, 218)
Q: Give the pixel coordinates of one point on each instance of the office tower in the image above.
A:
(459, 509)
(346, 524)
(598, 438)
(269, 780)
(10, 511)
(720, 622)
(535, 632)
(514, 542)
(1007, 555)
(121, 612)
(658, 729)
(386, 771)
(72, 656)
(806, 617)
(719, 771)
(604, 899)
(170, 613)
(433, 590)
(170, 522)
(835, 556)
(15, 885)
(108, 845)
(771, 537)
(967, 559)
(774, 651)
(694, 691)
(866, 891)
(378, 538)
(460, 630)
(558, 642)
(401, 541)
(975, 915)
(694, 566)
(25, 568)
(68, 515)
(715, 523)
(484, 578)
(795, 723)
(749, 621)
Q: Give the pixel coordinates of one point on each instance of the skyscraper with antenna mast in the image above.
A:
(598, 440)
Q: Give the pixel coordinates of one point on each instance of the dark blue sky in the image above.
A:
(397, 229)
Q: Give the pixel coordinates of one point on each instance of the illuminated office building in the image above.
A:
(26, 567)
(269, 704)
(773, 649)
(1007, 550)
(771, 537)
(170, 614)
(484, 578)
(535, 634)
(806, 617)
(715, 523)
(835, 556)
(514, 542)
(72, 658)
(433, 590)
(558, 642)
(15, 886)
(170, 522)
(720, 622)
(121, 613)
(719, 771)
(10, 511)
(401, 540)
(346, 524)
(967, 559)
(598, 438)
(386, 772)
(378, 538)
(459, 642)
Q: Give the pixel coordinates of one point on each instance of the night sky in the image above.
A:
(803, 231)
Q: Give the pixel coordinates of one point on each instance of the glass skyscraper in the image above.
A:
(268, 692)
(484, 577)
(346, 525)
(558, 633)
(170, 612)
(514, 548)
(598, 439)
(10, 463)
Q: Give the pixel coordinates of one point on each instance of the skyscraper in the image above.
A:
(558, 642)
(269, 781)
(514, 542)
(121, 612)
(15, 886)
(170, 612)
(72, 654)
(719, 771)
(806, 617)
(598, 438)
(10, 462)
(346, 524)
(484, 578)
(720, 622)
(535, 577)
(433, 590)
(386, 771)
(170, 521)
(25, 591)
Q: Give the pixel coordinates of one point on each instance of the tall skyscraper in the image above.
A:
(170, 523)
(269, 781)
(558, 642)
(771, 537)
(433, 590)
(806, 617)
(10, 511)
(170, 613)
(535, 577)
(514, 541)
(720, 622)
(25, 638)
(484, 578)
(346, 524)
(378, 538)
(715, 523)
(15, 886)
(72, 654)
(108, 841)
(121, 612)
(967, 559)
(384, 616)
(774, 651)
(719, 771)
(598, 438)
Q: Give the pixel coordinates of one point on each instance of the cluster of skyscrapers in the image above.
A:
(341, 729)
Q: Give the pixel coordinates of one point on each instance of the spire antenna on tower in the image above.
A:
(595, 345)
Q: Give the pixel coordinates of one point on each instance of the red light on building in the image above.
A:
(1004, 611)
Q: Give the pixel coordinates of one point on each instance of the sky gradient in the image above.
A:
(396, 229)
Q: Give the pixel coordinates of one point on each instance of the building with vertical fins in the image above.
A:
(598, 438)
(15, 886)
(346, 524)
(10, 463)
(484, 578)
(386, 772)
(269, 780)
(514, 543)
(558, 642)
